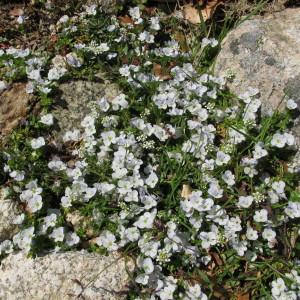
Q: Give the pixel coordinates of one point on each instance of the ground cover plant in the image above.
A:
(175, 171)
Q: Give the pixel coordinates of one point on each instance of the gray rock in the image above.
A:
(264, 53)
(75, 100)
(70, 275)
(8, 213)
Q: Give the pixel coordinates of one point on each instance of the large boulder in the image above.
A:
(75, 99)
(70, 275)
(264, 53)
(8, 214)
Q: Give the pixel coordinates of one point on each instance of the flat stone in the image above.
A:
(8, 213)
(264, 53)
(75, 99)
(14, 106)
(69, 275)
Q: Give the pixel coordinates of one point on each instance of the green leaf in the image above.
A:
(295, 196)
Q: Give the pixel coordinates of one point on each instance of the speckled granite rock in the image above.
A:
(14, 105)
(264, 53)
(8, 213)
(70, 275)
(74, 102)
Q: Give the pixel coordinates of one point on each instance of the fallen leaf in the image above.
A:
(93, 241)
(160, 72)
(16, 12)
(125, 20)
(186, 191)
(217, 258)
(150, 10)
(53, 38)
(245, 296)
(192, 14)
(181, 39)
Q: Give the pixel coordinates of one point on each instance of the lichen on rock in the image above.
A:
(70, 275)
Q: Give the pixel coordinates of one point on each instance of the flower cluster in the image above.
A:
(133, 154)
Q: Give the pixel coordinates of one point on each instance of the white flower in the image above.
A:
(291, 104)
(154, 23)
(73, 60)
(209, 42)
(146, 220)
(57, 165)
(278, 140)
(23, 239)
(236, 137)
(103, 104)
(240, 247)
(228, 178)
(250, 171)
(3, 85)
(56, 73)
(251, 234)
(132, 234)
(37, 143)
(72, 239)
(6, 247)
(49, 221)
(57, 234)
(193, 292)
(245, 201)
(132, 196)
(148, 265)
(215, 190)
(63, 19)
(142, 279)
(261, 215)
(108, 137)
(269, 234)
(20, 19)
(222, 158)
(17, 175)
(35, 203)
(47, 119)
(278, 187)
(72, 136)
(152, 180)
(91, 9)
(259, 151)
(34, 74)
(160, 133)
(145, 36)
(108, 240)
(134, 12)
(278, 287)
(19, 219)
(208, 239)
(119, 102)
(66, 201)
(290, 139)
(293, 209)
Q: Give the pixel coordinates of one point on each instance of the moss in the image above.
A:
(234, 47)
(292, 88)
(251, 40)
